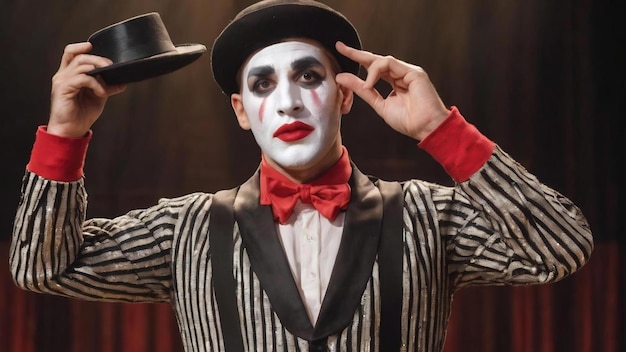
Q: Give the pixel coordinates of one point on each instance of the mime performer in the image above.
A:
(310, 253)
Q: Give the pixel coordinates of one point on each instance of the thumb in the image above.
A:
(369, 94)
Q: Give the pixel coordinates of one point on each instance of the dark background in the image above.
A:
(543, 79)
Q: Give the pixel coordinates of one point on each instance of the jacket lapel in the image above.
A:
(351, 272)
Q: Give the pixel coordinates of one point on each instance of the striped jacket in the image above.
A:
(502, 226)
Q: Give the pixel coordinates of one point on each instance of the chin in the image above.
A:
(296, 157)
(299, 157)
(297, 162)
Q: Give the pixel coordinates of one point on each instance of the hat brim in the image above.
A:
(149, 67)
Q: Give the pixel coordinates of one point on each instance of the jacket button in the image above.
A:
(317, 347)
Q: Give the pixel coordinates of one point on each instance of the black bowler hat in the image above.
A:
(140, 48)
(270, 21)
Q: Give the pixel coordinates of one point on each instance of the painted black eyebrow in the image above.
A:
(261, 71)
(305, 62)
(297, 65)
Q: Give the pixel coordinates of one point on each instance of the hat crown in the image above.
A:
(140, 48)
(270, 21)
(264, 4)
(132, 39)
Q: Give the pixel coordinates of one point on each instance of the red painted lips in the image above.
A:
(293, 131)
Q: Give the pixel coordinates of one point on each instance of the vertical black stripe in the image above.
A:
(203, 266)
(390, 263)
(221, 237)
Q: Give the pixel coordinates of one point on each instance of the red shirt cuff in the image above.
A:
(58, 158)
(458, 146)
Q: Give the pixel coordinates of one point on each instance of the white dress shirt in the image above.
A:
(311, 243)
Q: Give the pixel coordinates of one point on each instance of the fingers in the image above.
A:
(77, 54)
(112, 90)
(369, 94)
(76, 60)
(70, 83)
(364, 58)
(378, 67)
(72, 50)
(396, 72)
(75, 63)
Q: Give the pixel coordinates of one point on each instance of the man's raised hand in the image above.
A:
(412, 108)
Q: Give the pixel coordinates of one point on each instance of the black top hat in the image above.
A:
(270, 21)
(140, 48)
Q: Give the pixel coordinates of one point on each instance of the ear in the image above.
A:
(240, 112)
(347, 98)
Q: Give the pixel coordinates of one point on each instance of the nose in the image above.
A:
(289, 100)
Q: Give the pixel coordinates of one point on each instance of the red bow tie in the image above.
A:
(329, 193)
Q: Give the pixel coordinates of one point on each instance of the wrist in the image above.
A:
(434, 122)
(66, 130)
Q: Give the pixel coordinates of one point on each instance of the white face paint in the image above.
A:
(292, 103)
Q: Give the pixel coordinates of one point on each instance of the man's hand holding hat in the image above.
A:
(77, 99)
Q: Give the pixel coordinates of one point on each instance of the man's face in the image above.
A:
(292, 103)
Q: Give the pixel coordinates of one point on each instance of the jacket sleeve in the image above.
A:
(503, 226)
(54, 250)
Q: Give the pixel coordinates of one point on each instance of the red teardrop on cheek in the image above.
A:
(262, 109)
(316, 99)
